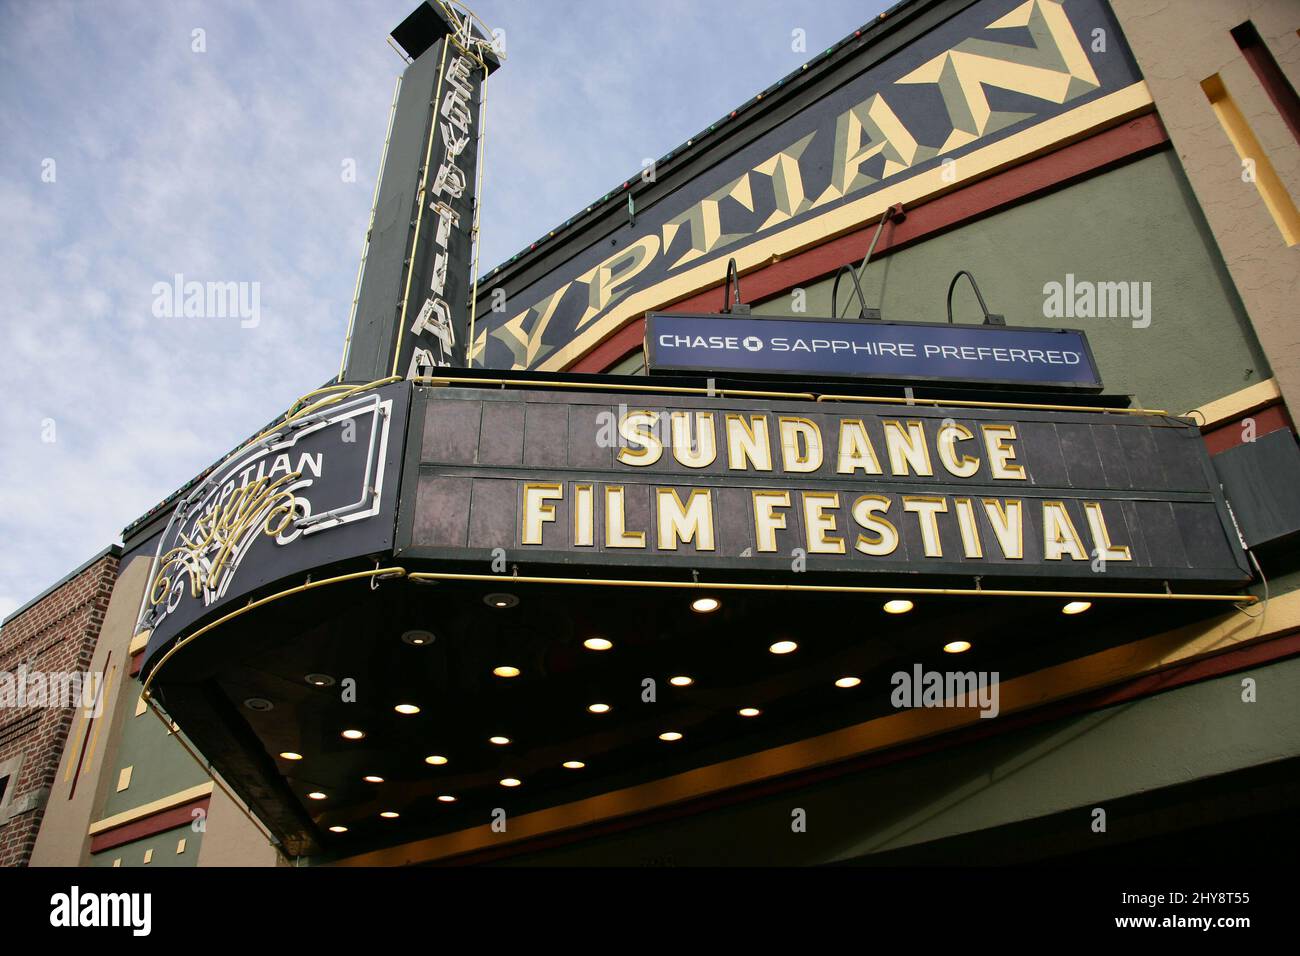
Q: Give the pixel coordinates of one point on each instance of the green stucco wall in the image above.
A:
(1138, 222)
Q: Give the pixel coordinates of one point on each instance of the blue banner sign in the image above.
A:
(871, 350)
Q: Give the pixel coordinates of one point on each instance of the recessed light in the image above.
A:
(418, 638)
(681, 681)
(501, 600)
(510, 782)
(338, 829)
(436, 760)
(597, 644)
(499, 741)
(898, 606)
(848, 682)
(371, 778)
(1076, 607)
(290, 755)
(783, 647)
(505, 670)
(670, 735)
(705, 604)
(353, 734)
(319, 680)
(956, 647)
(598, 708)
(446, 798)
(259, 704)
(316, 795)
(749, 712)
(390, 814)
(573, 765)
(407, 709)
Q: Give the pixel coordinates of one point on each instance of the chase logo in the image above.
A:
(753, 343)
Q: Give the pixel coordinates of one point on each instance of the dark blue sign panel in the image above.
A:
(871, 350)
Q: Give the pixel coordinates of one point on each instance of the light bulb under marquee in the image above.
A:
(573, 765)
(316, 795)
(898, 606)
(749, 712)
(436, 760)
(338, 829)
(597, 644)
(599, 708)
(499, 741)
(784, 647)
(705, 604)
(670, 735)
(505, 670)
(681, 681)
(956, 647)
(446, 798)
(371, 778)
(290, 755)
(510, 782)
(390, 814)
(407, 709)
(1076, 607)
(848, 682)
(353, 734)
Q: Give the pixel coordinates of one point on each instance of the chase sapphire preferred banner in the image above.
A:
(871, 350)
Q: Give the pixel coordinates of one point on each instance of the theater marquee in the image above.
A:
(753, 485)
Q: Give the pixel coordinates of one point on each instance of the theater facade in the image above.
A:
(899, 471)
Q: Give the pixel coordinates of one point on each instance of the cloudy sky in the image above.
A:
(129, 156)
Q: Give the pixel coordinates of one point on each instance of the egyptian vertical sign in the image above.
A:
(993, 70)
(413, 305)
(437, 302)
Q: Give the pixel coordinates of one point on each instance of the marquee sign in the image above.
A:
(320, 489)
(657, 481)
(871, 350)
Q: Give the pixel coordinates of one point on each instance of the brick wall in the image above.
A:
(55, 634)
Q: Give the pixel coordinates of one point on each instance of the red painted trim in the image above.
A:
(148, 826)
(1241, 658)
(614, 349)
(1271, 419)
(1079, 160)
(90, 724)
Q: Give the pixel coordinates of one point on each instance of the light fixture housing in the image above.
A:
(501, 599)
(1076, 607)
(506, 670)
(956, 647)
(352, 734)
(670, 736)
(848, 682)
(898, 606)
(749, 712)
(573, 765)
(681, 680)
(435, 760)
(705, 605)
(598, 708)
(319, 680)
(499, 740)
(407, 709)
(783, 647)
(597, 644)
(290, 755)
(418, 638)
